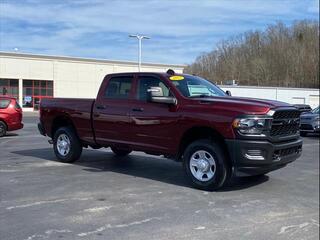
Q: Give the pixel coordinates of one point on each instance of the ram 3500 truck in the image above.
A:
(179, 116)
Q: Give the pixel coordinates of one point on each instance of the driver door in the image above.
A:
(153, 124)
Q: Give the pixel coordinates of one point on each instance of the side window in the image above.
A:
(4, 103)
(17, 106)
(145, 82)
(118, 88)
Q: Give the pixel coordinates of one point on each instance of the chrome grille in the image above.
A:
(285, 122)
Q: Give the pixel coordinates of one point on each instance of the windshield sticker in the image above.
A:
(176, 78)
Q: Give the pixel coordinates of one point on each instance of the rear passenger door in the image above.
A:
(111, 111)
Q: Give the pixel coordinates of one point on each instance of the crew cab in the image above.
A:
(179, 116)
(10, 115)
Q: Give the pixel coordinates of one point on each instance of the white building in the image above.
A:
(308, 96)
(30, 77)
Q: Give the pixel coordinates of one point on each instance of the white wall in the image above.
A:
(308, 96)
(73, 77)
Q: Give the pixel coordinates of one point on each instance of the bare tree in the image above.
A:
(281, 55)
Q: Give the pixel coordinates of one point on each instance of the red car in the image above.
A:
(10, 115)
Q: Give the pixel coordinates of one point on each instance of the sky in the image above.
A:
(180, 30)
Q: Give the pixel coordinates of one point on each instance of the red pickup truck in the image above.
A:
(180, 116)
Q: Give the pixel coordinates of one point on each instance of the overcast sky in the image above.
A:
(179, 30)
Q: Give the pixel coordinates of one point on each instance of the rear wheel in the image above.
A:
(206, 165)
(120, 152)
(67, 146)
(3, 129)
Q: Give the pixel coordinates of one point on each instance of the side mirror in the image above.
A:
(228, 93)
(155, 94)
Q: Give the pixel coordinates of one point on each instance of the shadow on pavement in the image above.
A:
(150, 167)
(10, 134)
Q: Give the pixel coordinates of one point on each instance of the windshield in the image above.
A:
(316, 110)
(193, 86)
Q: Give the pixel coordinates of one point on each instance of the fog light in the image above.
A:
(254, 154)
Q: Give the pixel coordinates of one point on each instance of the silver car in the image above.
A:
(310, 122)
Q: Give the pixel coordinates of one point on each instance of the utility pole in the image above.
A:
(139, 37)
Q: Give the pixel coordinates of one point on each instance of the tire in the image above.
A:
(66, 145)
(215, 173)
(120, 152)
(3, 129)
(303, 134)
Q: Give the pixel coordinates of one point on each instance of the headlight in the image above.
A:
(250, 126)
(317, 121)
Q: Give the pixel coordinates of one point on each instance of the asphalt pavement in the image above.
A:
(144, 197)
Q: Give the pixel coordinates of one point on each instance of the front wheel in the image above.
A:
(67, 146)
(206, 165)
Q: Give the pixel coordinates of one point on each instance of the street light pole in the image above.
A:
(140, 53)
(139, 37)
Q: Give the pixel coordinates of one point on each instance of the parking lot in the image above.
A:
(146, 197)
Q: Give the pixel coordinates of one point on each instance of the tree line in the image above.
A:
(281, 56)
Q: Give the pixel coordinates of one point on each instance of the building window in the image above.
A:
(9, 87)
(34, 91)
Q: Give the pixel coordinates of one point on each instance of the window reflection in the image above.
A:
(34, 91)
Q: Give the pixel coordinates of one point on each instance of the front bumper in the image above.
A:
(253, 157)
(310, 127)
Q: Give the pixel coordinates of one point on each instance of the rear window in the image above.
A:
(4, 103)
(17, 106)
(119, 88)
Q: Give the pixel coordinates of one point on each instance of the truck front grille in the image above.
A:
(285, 122)
(285, 114)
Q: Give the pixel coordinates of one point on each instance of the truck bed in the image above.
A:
(77, 109)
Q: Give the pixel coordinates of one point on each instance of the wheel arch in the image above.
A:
(202, 132)
(62, 121)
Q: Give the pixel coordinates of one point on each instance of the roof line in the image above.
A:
(98, 60)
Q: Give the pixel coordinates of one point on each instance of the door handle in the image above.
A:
(101, 107)
(137, 109)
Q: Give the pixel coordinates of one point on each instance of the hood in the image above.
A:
(246, 105)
